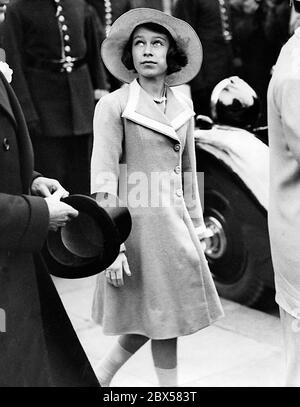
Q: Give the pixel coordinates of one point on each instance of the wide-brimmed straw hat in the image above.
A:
(91, 242)
(120, 32)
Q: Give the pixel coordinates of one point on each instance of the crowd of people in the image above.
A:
(69, 104)
(239, 37)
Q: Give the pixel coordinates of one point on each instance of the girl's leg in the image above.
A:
(164, 353)
(125, 347)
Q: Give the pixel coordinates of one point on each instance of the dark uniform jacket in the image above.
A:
(55, 103)
(38, 346)
(116, 8)
(119, 7)
(204, 16)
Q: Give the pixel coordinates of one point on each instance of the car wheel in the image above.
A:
(231, 252)
(238, 252)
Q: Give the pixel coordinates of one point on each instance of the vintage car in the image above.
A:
(234, 159)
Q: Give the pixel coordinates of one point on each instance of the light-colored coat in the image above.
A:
(284, 206)
(171, 291)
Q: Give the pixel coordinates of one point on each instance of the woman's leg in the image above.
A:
(121, 351)
(164, 353)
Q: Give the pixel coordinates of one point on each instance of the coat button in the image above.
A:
(177, 147)
(179, 192)
(5, 144)
(177, 169)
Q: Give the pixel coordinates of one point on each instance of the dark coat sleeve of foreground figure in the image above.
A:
(38, 345)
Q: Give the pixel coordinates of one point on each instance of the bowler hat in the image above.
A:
(183, 34)
(89, 243)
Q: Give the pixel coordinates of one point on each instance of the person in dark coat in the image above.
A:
(277, 25)
(53, 48)
(109, 10)
(211, 21)
(253, 48)
(38, 346)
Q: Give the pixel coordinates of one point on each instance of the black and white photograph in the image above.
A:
(149, 196)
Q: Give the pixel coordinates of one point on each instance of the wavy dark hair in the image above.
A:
(176, 57)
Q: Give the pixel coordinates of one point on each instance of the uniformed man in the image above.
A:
(53, 49)
(109, 10)
(211, 21)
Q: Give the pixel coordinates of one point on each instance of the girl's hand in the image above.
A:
(114, 274)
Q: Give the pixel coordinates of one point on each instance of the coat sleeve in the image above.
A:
(24, 222)
(13, 43)
(190, 182)
(286, 99)
(108, 145)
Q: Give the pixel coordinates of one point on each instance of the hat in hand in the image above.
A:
(89, 243)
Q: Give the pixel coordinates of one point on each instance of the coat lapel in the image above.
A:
(178, 111)
(25, 147)
(142, 110)
(4, 100)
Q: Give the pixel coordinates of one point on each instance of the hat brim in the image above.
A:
(183, 34)
(62, 263)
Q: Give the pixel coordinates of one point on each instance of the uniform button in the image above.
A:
(5, 144)
(177, 169)
(61, 19)
(179, 192)
(69, 69)
(66, 37)
(59, 9)
(64, 27)
(57, 1)
(67, 48)
(177, 147)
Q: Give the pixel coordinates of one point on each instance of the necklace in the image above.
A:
(163, 98)
(160, 100)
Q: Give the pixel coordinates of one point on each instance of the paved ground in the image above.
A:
(243, 349)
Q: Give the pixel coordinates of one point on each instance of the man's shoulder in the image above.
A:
(288, 62)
